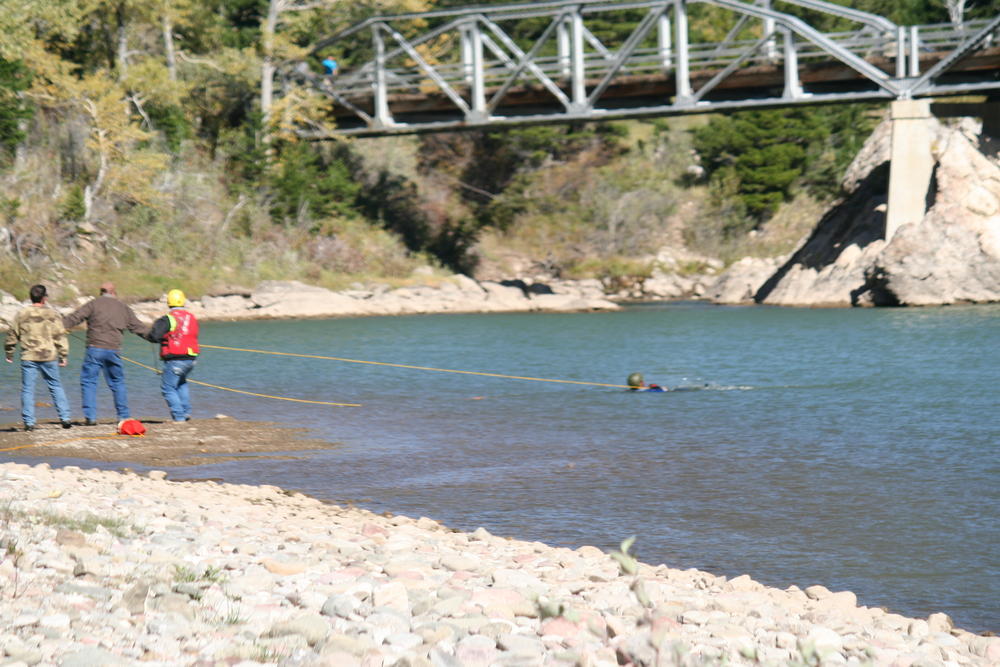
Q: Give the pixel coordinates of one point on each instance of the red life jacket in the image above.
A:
(131, 427)
(182, 339)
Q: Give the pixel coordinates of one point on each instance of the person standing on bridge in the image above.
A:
(177, 334)
(329, 66)
(107, 318)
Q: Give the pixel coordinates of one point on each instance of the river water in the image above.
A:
(854, 448)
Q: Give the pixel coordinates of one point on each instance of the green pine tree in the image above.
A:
(14, 78)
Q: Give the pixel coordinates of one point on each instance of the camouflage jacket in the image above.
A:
(40, 332)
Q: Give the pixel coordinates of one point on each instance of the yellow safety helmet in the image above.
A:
(175, 298)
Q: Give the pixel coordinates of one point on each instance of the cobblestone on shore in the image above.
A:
(105, 568)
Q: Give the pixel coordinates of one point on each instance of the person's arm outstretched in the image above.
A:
(78, 315)
(159, 329)
(133, 324)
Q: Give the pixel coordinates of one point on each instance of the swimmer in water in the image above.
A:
(637, 383)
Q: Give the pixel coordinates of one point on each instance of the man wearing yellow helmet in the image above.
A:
(177, 334)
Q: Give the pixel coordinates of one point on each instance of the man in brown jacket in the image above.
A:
(107, 318)
(44, 348)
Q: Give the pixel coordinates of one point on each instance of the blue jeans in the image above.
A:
(96, 360)
(49, 371)
(175, 387)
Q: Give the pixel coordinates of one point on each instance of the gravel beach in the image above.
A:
(108, 568)
(166, 444)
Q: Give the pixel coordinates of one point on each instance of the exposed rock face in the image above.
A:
(951, 256)
(830, 265)
(281, 299)
(678, 274)
(741, 281)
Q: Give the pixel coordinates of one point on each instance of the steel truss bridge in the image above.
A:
(475, 68)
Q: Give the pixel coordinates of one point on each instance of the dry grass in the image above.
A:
(779, 236)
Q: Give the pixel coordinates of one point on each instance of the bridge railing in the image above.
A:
(934, 38)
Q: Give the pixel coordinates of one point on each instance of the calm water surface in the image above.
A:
(857, 449)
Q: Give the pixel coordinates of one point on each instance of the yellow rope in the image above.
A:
(250, 393)
(239, 391)
(419, 368)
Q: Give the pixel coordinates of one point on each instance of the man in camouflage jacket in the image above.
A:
(44, 348)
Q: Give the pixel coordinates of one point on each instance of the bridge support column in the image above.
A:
(472, 46)
(663, 39)
(793, 87)
(682, 73)
(578, 79)
(563, 39)
(381, 115)
(770, 50)
(911, 164)
(914, 69)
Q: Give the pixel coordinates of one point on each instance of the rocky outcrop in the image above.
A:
(952, 255)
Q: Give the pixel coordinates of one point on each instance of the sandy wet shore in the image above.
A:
(165, 444)
(116, 568)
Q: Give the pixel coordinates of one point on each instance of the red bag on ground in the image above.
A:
(131, 427)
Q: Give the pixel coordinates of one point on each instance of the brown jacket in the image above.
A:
(106, 319)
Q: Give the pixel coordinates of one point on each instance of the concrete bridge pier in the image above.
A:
(911, 165)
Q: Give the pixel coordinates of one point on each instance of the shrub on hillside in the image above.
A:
(308, 184)
(14, 78)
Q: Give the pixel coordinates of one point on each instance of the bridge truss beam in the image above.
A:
(475, 68)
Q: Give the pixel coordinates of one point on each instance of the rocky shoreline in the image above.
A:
(105, 568)
(285, 299)
(276, 299)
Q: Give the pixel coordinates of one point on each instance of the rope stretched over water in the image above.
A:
(249, 393)
(418, 368)
(371, 363)
(240, 391)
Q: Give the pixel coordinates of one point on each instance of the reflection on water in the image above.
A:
(853, 448)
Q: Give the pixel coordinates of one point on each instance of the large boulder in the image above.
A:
(951, 256)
